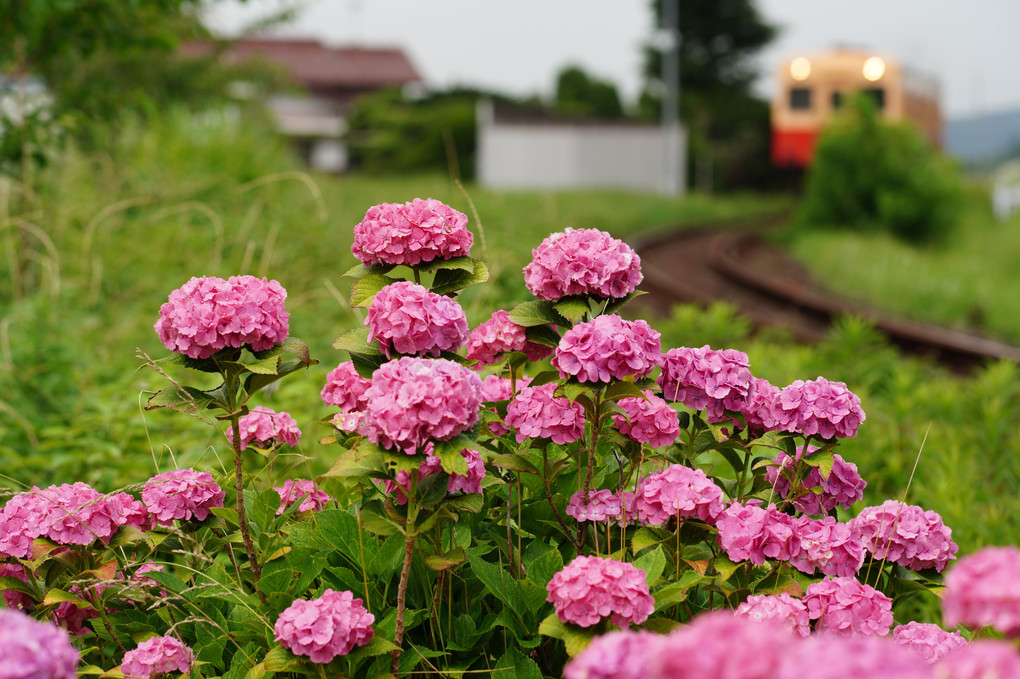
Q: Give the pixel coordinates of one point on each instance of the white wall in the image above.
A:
(561, 156)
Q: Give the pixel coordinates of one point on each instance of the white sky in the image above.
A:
(972, 48)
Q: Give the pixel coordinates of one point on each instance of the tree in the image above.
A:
(580, 95)
(718, 40)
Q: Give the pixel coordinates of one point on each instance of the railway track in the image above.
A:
(731, 262)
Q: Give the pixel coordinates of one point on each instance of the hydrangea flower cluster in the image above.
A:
(12, 597)
(842, 488)
(838, 657)
(782, 609)
(411, 320)
(68, 514)
(762, 410)
(264, 427)
(582, 262)
(906, 534)
(706, 379)
(537, 413)
(181, 494)
(590, 588)
(326, 627)
(607, 348)
(345, 389)
(820, 408)
(620, 654)
(471, 483)
(415, 400)
(930, 641)
(411, 233)
(156, 656)
(677, 491)
(208, 314)
(602, 505)
(826, 545)
(30, 649)
(980, 659)
(496, 388)
(649, 420)
(983, 590)
(312, 499)
(845, 606)
(498, 336)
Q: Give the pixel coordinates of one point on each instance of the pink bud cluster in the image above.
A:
(208, 314)
(157, 656)
(706, 379)
(844, 606)
(679, 492)
(416, 400)
(843, 487)
(537, 413)
(930, 641)
(31, 649)
(498, 336)
(582, 262)
(648, 420)
(345, 389)
(589, 588)
(264, 427)
(907, 535)
(323, 628)
(408, 319)
(292, 490)
(983, 590)
(820, 408)
(607, 348)
(68, 514)
(411, 233)
(782, 609)
(181, 494)
(470, 483)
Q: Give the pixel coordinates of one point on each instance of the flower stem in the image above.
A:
(405, 573)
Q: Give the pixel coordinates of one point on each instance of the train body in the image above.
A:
(811, 89)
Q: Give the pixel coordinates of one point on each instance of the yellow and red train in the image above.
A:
(810, 89)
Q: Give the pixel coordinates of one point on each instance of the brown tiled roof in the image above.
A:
(314, 65)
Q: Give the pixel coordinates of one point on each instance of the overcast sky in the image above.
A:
(972, 48)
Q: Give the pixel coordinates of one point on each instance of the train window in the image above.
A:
(837, 100)
(800, 98)
(877, 94)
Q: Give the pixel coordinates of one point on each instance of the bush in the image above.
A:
(871, 174)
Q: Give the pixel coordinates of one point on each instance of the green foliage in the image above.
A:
(871, 174)
(582, 96)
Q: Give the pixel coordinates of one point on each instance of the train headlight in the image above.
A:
(800, 68)
(874, 68)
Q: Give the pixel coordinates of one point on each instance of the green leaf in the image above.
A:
(340, 529)
(515, 463)
(515, 665)
(11, 584)
(572, 390)
(448, 560)
(464, 263)
(255, 382)
(542, 334)
(266, 365)
(355, 342)
(575, 638)
(367, 364)
(449, 281)
(452, 461)
(360, 270)
(365, 460)
(58, 596)
(642, 538)
(822, 460)
(470, 503)
(181, 399)
(539, 312)
(624, 389)
(280, 659)
(366, 288)
(378, 646)
(498, 582)
(544, 377)
(573, 308)
(652, 563)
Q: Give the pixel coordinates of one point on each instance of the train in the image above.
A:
(811, 89)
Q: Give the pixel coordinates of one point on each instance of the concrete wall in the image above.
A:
(555, 155)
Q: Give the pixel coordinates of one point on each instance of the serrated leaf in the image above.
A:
(367, 287)
(471, 503)
(542, 334)
(12, 584)
(359, 270)
(448, 560)
(652, 563)
(575, 638)
(544, 377)
(58, 596)
(515, 463)
(452, 461)
(643, 538)
(181, 399)
(822, 460)
(573, 308)
(572, 390)
(280, 659)
(256, 382)
(367, 364)
(449, 281)
(355, 342)
(365, 460)
(515, 665)
(624, 389)
(464, 263)
(539, 312)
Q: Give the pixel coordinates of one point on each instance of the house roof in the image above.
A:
(315, 66)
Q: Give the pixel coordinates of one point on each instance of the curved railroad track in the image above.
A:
(729, 261)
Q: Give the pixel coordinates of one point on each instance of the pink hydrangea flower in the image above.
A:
(762, 408)
(602, 505)
(348, 422)
(496, 388)
(590, 588)
(906, 534)
(861, 657)
(844, 606)
(537, 413)
(31, 649)
(980, 659)
(407, 318)
(208, 314)
(827, 545)
(181, 494)
(820, 408)
(156, 656)
(345, 389)
(312, 499)
(651, 420)
(264, 427)
(721, 645)
(930, 641)
(323, 628)
(782, 609)
(12, 597)
(607, 348)
(21, 522)
(582, 262)
(678, 491)
(620, 654)
(842, 488)
(983, 590)
(498, 336)
(411, 233)
(415, 400)
(748, 532)
(706, 379)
